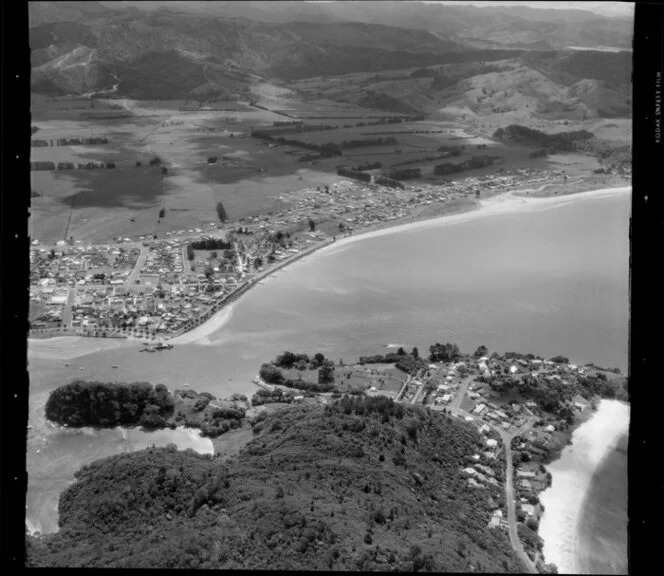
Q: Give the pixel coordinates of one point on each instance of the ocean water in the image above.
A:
(604, 520)
(584, 525)
(549, 280)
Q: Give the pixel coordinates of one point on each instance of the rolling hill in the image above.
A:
(190, 51)
(548, 85)
(363, 484)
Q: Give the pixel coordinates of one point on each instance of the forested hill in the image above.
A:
(362, 484)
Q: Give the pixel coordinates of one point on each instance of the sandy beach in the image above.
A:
(70, 347)
(199, 335)
(499, 204)
(572, 478)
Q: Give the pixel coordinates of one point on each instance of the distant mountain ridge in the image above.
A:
(190, 51)
(503, 25)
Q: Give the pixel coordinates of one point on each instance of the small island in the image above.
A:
(110, 404)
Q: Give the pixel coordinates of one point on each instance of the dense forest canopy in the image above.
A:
(109, 404)
(362, 484)
(560, 142)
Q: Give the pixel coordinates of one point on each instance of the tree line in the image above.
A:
(361, 176)
(367, 166)
(559, 142)
(273, 375)
(47, 165)
(69, 142)
(276, 396)
(331, 148)
(211, 244)
(473, 163)
(406, 174)
(389, 182)
(290, 360)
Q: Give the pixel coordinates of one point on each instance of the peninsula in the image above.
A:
(464, 436)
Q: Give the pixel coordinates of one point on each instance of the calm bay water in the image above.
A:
(551, 280)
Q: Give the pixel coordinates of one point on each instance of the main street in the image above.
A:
(137, 268)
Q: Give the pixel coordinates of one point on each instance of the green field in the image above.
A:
(249, 175)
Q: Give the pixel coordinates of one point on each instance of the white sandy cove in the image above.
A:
(70, 347)
(572, 476)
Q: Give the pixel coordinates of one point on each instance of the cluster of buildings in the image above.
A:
(62, 278)
(355, 204)
(149, 289)
(150, 286)
(480, 475)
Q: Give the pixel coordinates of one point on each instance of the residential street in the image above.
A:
(137, 268)
(511, 512)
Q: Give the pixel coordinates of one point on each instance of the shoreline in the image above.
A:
(505, 202)
(572, 479)
(42, 512)
(499, 203)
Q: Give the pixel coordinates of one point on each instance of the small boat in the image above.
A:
(81, 368)
(115, 366)
(162, 346)
(66, 363)
(30, 426)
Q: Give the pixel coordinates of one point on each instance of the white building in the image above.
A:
(528, 509)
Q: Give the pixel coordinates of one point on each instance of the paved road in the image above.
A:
(137, 268)
(403, 389)
(511, 510)
(67, 313)
(461, 393)
(509, 489)
(417, 394)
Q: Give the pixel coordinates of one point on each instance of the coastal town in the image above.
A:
(329, 287)
(523, 406)
(158, 288)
